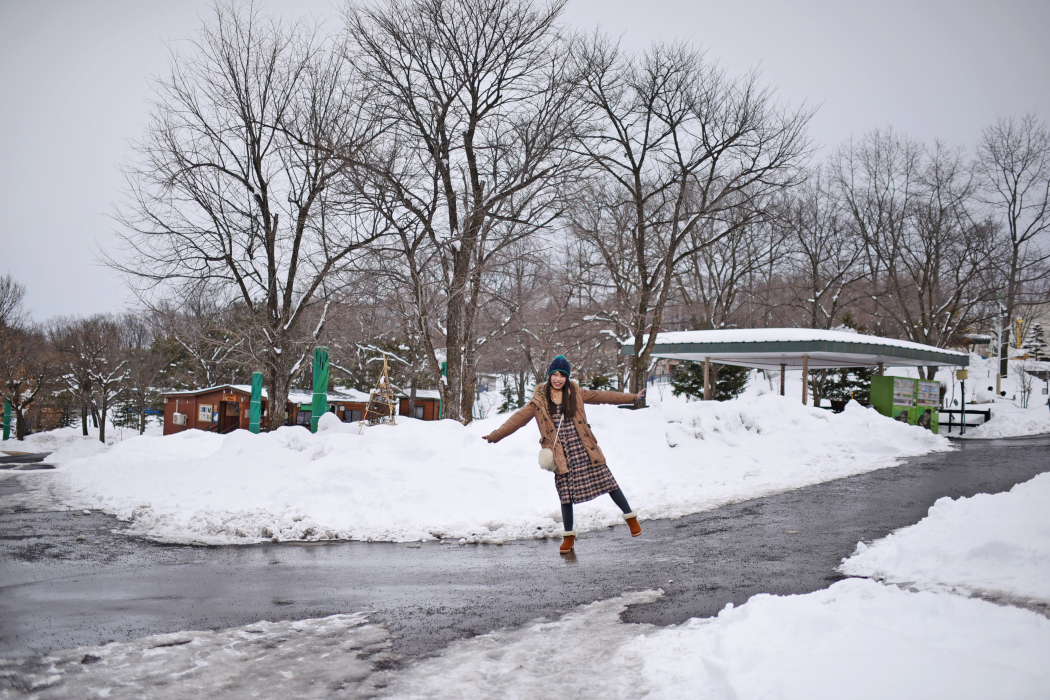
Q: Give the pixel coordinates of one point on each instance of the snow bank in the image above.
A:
(996, 545)
(858, 639)
(1009, 421)
(72, 442)
(424, 480)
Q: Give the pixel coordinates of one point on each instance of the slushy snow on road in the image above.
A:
(424, 480)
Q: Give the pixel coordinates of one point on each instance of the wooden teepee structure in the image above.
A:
(382, 403)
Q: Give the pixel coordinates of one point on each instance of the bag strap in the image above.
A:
(557, 433)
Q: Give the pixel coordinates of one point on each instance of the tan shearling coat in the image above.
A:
(537, 408)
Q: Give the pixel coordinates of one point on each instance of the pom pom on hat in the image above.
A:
(560, 364)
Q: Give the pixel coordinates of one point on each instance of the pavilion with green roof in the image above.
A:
(796, 348)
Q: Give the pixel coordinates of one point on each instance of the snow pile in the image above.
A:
(72, 441)
(994, 545)
(1010, 421)
(820, 645)
(331, 657)
(424, 480)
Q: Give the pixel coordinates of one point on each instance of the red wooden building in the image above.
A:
(428, 404)
(225, 407)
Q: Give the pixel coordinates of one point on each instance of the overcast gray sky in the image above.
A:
(74, 84)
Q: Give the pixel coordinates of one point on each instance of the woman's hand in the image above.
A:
(488, 438)
(640, 394)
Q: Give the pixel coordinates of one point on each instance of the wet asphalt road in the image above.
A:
(57, 592)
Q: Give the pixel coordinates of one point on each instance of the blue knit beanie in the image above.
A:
(560, 364)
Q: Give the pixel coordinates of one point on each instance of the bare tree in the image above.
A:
(480, 105)
(75, 353)
(94, 363)
(716, 281)
(197, 335)
(1014, 164)
(926, 254)
(682, 149)
(877, 176)
(27, 367)
(825, 254)
(146, 361)
(235, 193)
(12, 296)
(26, 364)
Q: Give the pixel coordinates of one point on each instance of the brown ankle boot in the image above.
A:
(632, 522)
(568, 542)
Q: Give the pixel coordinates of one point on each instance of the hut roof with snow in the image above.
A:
(773, 348)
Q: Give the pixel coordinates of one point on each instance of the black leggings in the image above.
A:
(618, 498)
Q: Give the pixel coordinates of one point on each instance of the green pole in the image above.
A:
(7, 419)
(255, 409)
(320, 404)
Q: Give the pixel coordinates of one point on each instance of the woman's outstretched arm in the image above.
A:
(620, 397)
(519, 418)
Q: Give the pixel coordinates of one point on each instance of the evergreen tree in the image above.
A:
(1036, 344)
(729, 381)
(849, 383)
(599, 382)
(510, 398)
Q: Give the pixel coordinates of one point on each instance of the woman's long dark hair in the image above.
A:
(568, 398)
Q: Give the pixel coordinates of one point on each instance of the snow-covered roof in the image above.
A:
(423, 394)
(769, 348)
(296, 396)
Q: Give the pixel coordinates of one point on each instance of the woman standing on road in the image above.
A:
(580, 472)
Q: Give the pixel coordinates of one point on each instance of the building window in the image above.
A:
(204, 413)
(419, 412)
(351, 416)
(303, 418)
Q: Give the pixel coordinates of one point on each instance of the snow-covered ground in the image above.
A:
(423, 480)
(1008, 420)
(857, 639)
(72, 440)
(992, 545)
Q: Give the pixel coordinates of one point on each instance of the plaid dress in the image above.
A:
(585, 480)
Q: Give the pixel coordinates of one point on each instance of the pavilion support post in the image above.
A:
(880, 370)
(782, 368)
(707, 379)
(805, 379)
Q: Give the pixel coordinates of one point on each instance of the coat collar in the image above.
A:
(540, 397)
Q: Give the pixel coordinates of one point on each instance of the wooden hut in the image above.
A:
(224, 408)
(428, 404)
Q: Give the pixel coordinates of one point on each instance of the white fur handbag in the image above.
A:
(547, 454)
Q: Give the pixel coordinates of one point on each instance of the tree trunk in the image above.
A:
(105, 409)
(20, 423)
(277, 386)
(454, 347)
(142, 416)
(83, 416)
